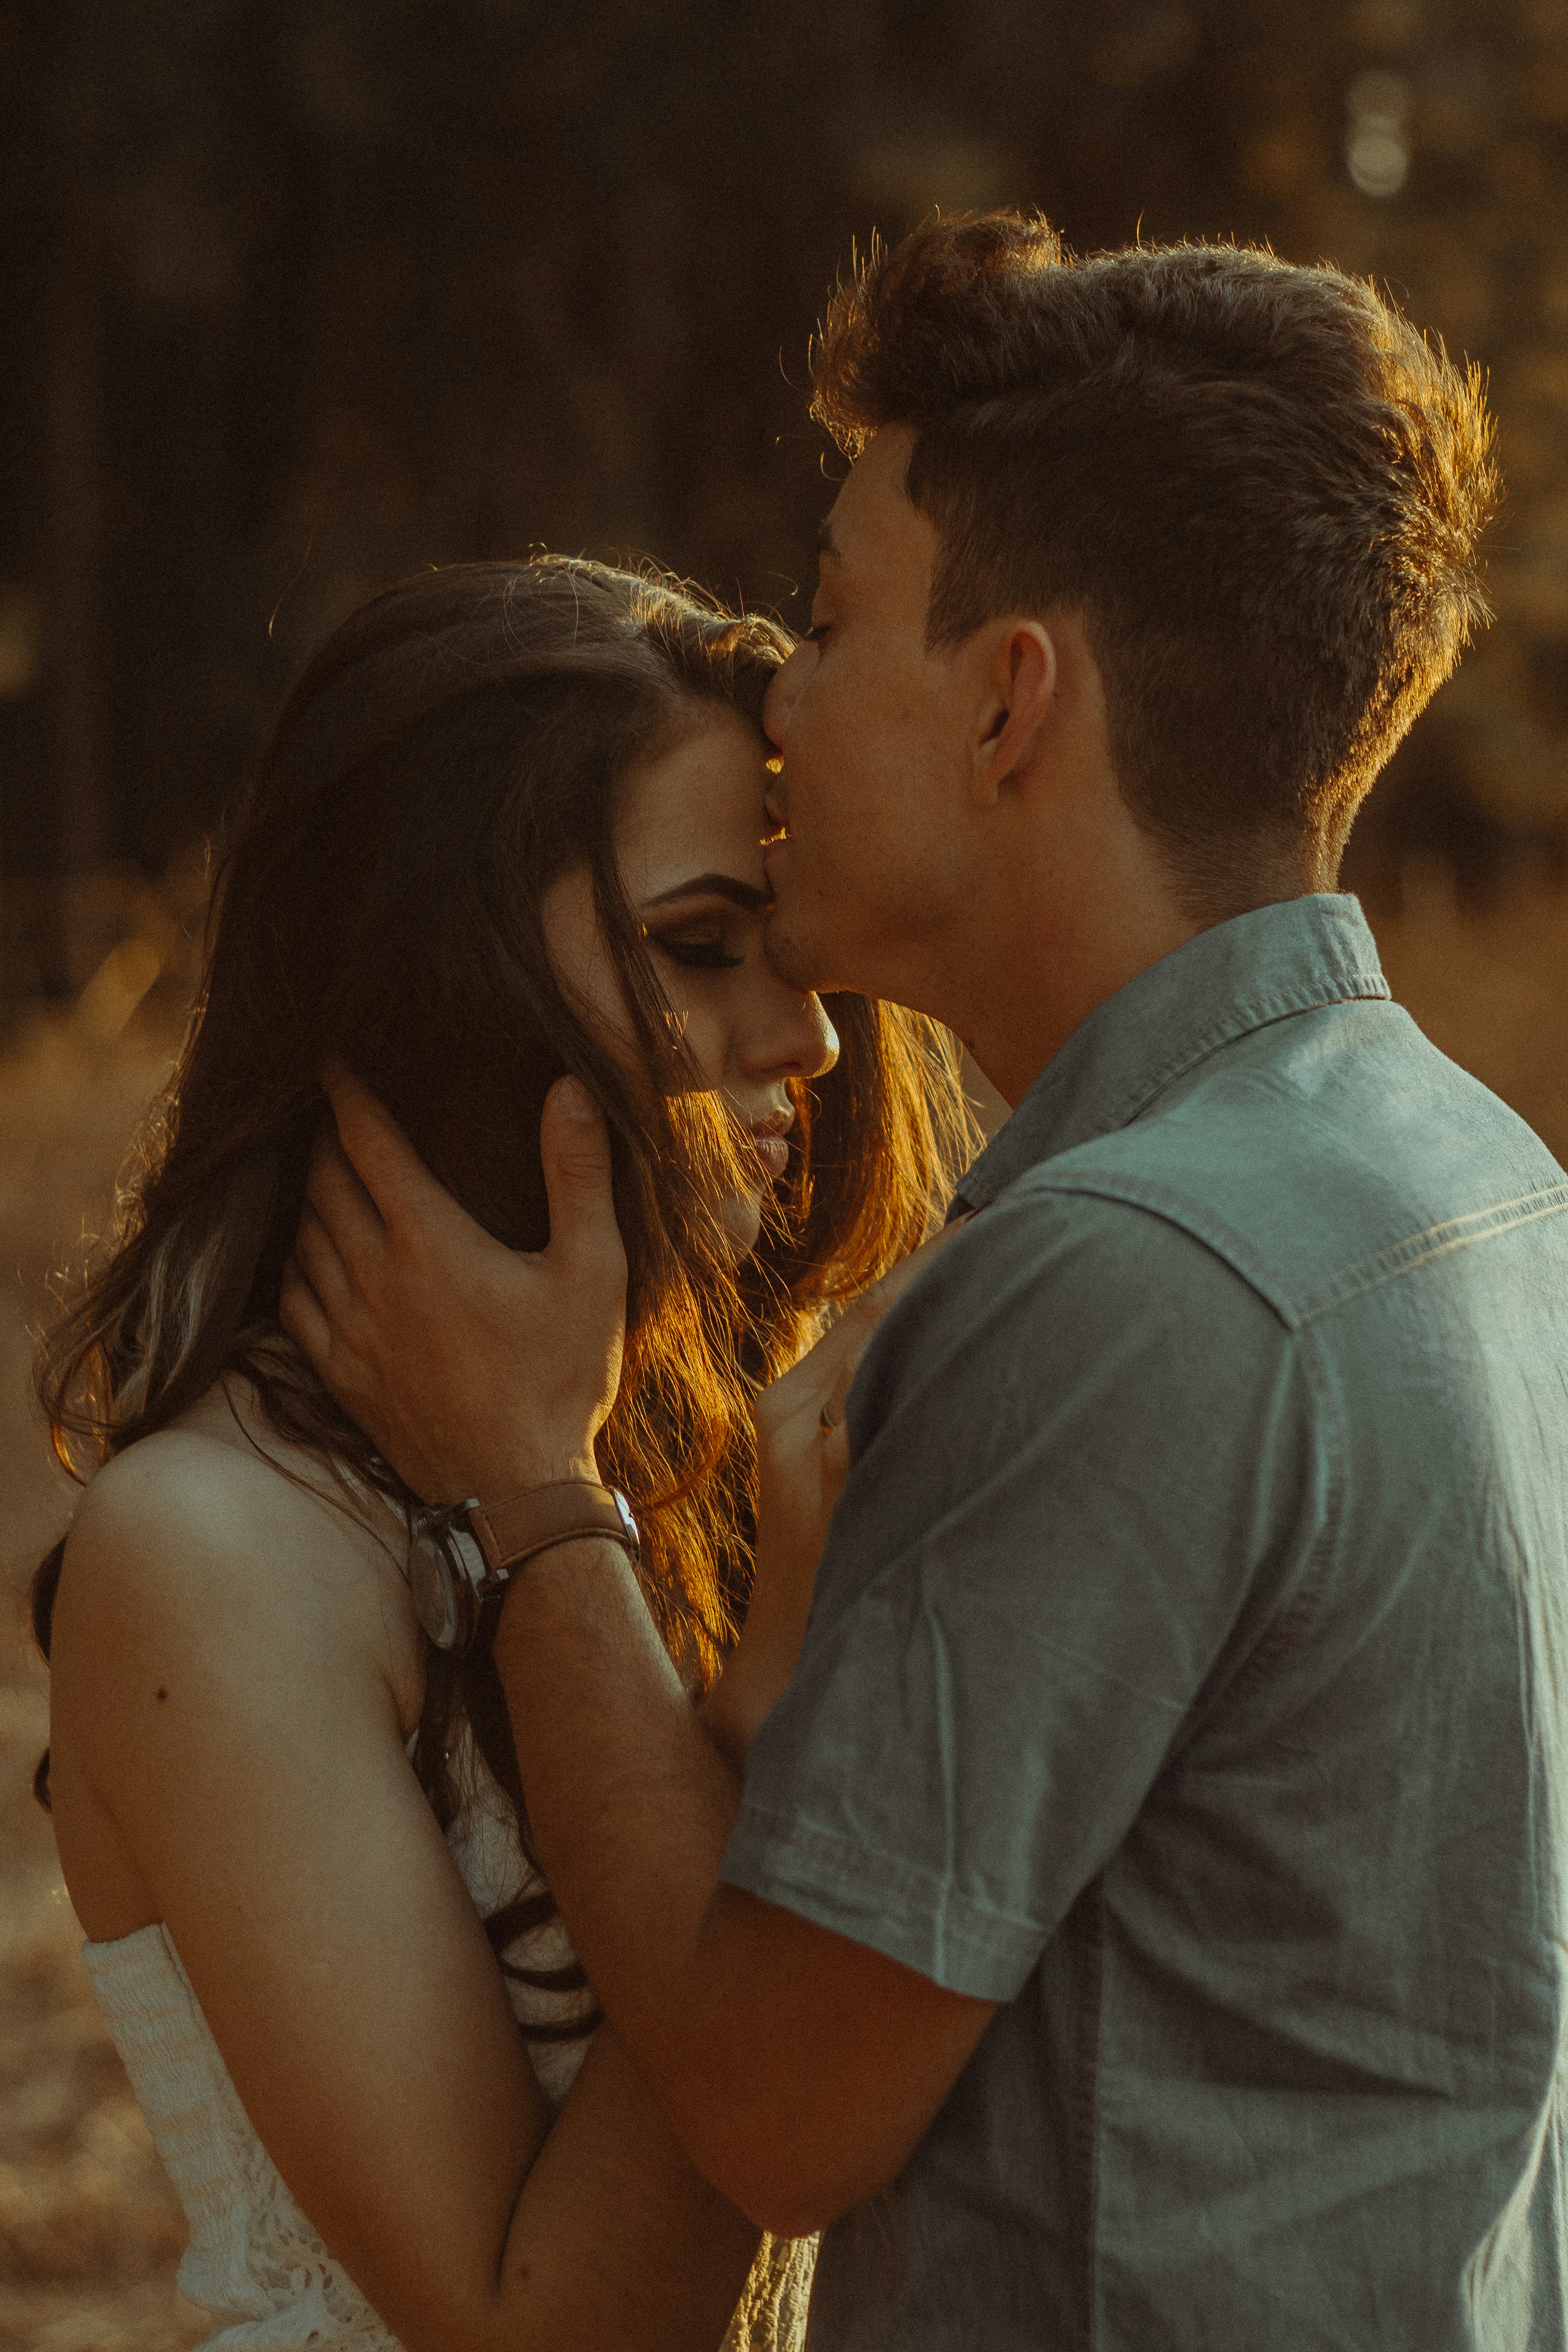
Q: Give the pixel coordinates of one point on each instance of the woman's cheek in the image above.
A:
(704, 1039)
(740, 1221)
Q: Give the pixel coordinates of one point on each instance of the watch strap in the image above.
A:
(539, 1518)
(462, 1558)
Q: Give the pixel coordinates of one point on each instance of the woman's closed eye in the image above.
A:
(698, 952)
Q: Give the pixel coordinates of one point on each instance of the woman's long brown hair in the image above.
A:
(453, 748)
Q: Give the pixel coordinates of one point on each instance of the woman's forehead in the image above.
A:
(695, 808)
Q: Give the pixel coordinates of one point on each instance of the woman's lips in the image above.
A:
(774, 1153)
(770, 1140)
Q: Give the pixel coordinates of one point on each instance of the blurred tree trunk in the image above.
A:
(73, 362)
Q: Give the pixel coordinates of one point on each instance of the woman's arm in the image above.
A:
(227, 1654)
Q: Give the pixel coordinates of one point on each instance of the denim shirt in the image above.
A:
(1189, 1674)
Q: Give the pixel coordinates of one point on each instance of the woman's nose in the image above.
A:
(783, 690)
(794, 1040)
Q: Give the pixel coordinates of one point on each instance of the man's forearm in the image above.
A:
(797, 2068)
(629, 1800)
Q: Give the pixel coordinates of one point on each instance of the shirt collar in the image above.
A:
(1239, 976)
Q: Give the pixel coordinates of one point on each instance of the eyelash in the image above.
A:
(698, 955)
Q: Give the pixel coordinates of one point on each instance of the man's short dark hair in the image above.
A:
(1259, 485)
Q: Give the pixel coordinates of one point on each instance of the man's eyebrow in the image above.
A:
(744, 895)
(826, 543)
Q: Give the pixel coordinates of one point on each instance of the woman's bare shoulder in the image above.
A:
(217, 1513)
(231, 1625)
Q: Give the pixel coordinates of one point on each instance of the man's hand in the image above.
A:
(477, 1370)
(802, 1456)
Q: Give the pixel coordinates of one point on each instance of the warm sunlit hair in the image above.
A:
(1259, 485)
(452, 750)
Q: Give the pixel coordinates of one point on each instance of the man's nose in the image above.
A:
(783, 690)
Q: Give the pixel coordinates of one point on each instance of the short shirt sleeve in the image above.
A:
(1084, 1467)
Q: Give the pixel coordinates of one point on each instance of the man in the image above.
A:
(1155, 1867)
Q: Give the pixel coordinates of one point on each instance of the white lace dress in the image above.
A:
(254, 2260)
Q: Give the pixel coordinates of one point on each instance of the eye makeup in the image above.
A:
(695, 955)
(697, 944)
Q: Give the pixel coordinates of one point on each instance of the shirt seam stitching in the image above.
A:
(1086, 2132)
(1297, 1309)
(1272, 1653)
(1406, 1257)
(1219, 1239)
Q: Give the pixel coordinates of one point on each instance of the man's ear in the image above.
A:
(1021, 688)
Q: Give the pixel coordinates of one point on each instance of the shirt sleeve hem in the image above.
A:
(905, 1913)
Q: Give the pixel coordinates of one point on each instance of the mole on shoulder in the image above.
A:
(163, 1695)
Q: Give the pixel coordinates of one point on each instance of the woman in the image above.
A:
(507, 828)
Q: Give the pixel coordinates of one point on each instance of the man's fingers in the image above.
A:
(826, 1373)
(897, 1279)
(574, 1145)
(317, 1257)
(300, 1314)
(860, 1321)
(392, 1171)
(341, 1206)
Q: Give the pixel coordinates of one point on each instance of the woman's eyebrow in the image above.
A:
(716, 885)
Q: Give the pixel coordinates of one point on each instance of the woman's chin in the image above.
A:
(740, 1222)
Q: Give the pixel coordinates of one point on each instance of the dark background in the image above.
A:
(300, 296)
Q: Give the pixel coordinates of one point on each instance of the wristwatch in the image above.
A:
(464, 1557)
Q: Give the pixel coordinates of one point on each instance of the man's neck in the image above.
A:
(1052, 958)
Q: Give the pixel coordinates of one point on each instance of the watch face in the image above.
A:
(628, 1525)
(435, 1591)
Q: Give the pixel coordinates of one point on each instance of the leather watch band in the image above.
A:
(537, 1518)
(461, 1559)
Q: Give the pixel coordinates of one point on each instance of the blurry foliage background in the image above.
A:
(298, 297)
(307, 294)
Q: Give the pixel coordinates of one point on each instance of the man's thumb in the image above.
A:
(574, 1144)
